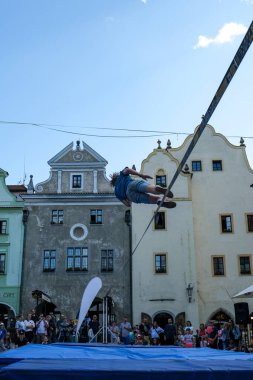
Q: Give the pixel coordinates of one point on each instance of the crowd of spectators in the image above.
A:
(46, 329)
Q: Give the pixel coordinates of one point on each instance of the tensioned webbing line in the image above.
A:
(243, 48)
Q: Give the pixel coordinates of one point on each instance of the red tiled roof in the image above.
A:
(17, 188)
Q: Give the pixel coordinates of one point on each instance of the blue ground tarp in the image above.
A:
(97, 362)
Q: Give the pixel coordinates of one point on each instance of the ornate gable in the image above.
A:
(75, 169)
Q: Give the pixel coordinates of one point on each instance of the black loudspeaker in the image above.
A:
(241, 313)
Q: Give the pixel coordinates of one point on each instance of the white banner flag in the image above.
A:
(89, 295)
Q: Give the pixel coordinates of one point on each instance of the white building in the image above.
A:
(205, 243)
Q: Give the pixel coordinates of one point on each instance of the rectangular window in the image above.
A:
(245, 264)
(57, 217)
(196, 166)
(160, 263)
(76, 181)
(49, 261)
(106, 260)
(217, 165)
(77, 259)
(218, 266)
(160, 220)
(250, 222)
(96, 217)
(161, 180)
(3, 227)
(226, 223)
(2, 263)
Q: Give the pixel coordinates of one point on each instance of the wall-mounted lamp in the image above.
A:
(189, 290)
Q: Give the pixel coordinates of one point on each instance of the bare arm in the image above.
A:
(134, 172)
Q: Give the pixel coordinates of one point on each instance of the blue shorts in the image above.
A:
(136, 191)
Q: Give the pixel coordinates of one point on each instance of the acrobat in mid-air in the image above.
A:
(129, 190)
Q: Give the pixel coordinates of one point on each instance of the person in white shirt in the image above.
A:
(20, 323)
(29, 327)
(155, 332)
(41, 329)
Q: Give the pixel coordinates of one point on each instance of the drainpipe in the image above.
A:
(128, 220)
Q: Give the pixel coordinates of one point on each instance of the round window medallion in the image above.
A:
(78, 156)
(78, 231)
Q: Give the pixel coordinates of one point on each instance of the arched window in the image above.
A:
(160, 178)
(220, 316)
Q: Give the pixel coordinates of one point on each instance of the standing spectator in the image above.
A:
(29, 327)
(144, 329)
(188, 325)
(202, 330)
(114, 332)
(212, 335)
(170, 333)
(34, 316)
(21, 339)
(2, 337)
(51, 328)
(63, 327)
(180, 337)
(225, 336)
(155, 332)
(94, 326)
(197, 339)
(125, 328)
(41, 328)
(188, 338)
(235, 334)
(83, 334)
(20, 323)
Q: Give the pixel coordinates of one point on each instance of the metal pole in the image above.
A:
(103, 320)
(106, 321)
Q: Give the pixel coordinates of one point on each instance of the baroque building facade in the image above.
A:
(75, 231)
(194, 258)
(11, 248)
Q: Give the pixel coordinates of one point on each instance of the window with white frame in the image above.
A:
(161, 180)
(77, 259)
(49, 260)
(96, 216)
(3, 227)
(76, 181)
(57, 217)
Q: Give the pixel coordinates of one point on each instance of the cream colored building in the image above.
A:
(205, 243)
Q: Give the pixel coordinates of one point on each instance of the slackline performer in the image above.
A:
(129, 190)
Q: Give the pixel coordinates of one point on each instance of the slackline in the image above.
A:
(241, 52)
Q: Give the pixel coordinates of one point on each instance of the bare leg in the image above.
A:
(158, 190)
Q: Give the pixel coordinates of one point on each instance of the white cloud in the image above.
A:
(225, 35)
(247, 1)
(144, 1)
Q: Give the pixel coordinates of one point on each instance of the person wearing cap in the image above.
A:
(2, 336)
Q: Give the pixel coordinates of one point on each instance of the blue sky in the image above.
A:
(131, 64)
